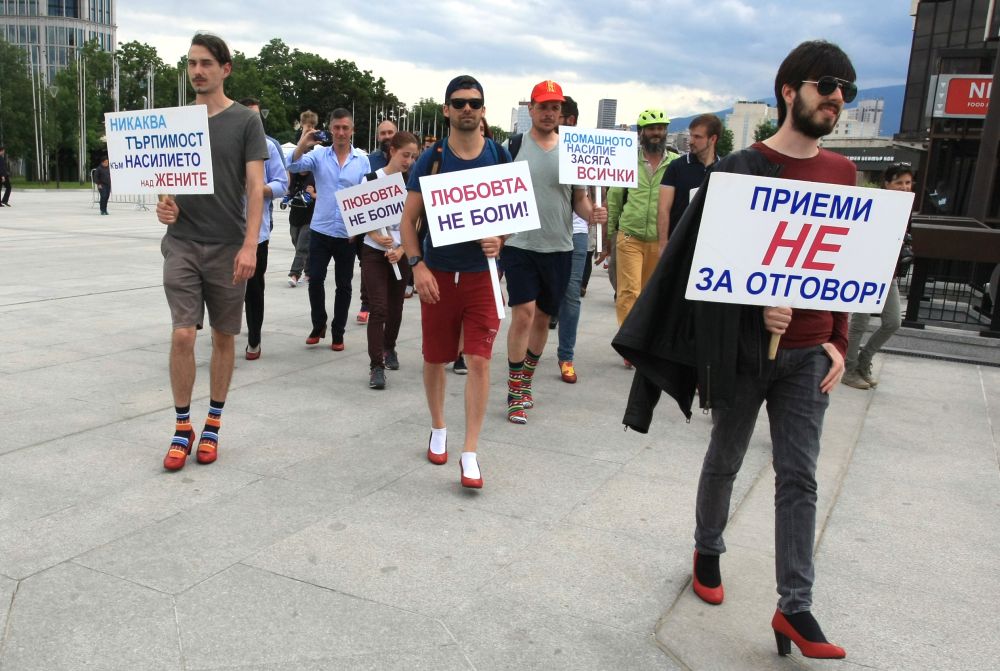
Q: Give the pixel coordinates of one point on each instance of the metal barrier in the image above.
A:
(953, 280)
(141, 202)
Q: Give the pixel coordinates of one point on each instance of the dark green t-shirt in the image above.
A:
(237, 137)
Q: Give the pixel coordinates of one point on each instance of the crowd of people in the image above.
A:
(215, 256)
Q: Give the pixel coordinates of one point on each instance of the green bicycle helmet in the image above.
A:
(652, 116)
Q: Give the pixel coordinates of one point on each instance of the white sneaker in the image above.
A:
(292, 281)
(304, 279)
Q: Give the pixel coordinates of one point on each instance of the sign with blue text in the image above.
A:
(786, 243)
(596, 157)
(158, 151)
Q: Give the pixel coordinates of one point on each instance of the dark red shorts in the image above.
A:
(466, 311)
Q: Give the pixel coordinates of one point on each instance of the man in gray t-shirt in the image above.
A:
(537, 263)
(210, 248)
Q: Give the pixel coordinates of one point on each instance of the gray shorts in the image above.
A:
(200, 274)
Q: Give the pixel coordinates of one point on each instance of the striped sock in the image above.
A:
(515, 407)
(210, 434)
(530, 363)
(182, 430)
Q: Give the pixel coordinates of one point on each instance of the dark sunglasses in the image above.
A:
(460, 103)
(827, 85)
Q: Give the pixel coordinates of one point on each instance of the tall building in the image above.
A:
(52, 30)
(745, 118)
(607, 109)
(520, 120)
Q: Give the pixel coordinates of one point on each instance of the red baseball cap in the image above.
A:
(547, 91)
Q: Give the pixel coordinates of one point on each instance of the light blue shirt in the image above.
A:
(276, 177)
(330, 178)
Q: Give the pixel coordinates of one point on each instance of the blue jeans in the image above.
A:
(795, 407)
(323, 248)
(569, 312)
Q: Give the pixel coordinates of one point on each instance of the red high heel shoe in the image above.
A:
(471, 483)
(315, 336)
(437, 459)
(785, 634)
(712, 595)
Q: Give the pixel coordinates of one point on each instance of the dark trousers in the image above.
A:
(323, 248)
(254, 298)
(359, 241)
(385, 301)
(587, 267)
(6, 190)
(105, 192)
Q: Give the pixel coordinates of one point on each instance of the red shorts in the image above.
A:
(466, 311)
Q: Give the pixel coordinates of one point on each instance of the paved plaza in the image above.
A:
(323, 538)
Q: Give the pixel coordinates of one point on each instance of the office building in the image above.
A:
(745, 118)
(607, 109)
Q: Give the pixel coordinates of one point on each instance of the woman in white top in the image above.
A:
(385, 292)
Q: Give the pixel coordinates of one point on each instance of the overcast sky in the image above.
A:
(685, 56)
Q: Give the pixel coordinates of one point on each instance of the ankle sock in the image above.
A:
(515, 392)
(530, 363)
(182, 429)
(470, 466)
(706, 569)
(213, 423)
(439, 441)
(807, 626)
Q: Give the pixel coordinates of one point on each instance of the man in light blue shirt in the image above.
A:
(334, 168)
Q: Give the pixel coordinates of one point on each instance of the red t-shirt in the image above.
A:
(815, 327)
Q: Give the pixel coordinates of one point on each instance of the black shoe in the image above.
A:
(377, 378)
(553, 323)
(391, 360)
(459, 367)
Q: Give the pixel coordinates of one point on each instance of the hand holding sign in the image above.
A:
(167, 210)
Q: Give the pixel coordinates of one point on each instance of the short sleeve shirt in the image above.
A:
(683, 174)
(553, 200)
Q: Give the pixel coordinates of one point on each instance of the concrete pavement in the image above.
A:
(323, 539)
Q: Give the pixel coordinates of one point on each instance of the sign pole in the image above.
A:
(600, 233)
(497, 295)
(395, 266)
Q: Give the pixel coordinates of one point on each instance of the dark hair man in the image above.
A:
(687, 173)
(537, 263)
(210, 248)
(4, 178)
(728, 344)
(457, 308)
(334, 168)
(379, 156)
(102, 179)
(275, 186)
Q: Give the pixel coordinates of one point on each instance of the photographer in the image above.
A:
(302, 199)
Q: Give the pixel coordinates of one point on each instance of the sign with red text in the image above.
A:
(598, 157)
(479, 203)
(961, 96)
(160, 150)
(786, 243)
(373, 204)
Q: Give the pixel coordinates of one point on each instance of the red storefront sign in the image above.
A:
(968, 96)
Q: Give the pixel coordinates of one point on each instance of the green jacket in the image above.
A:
(636, 214)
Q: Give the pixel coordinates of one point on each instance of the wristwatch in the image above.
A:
(414, 260)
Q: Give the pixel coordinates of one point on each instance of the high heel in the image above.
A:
(785, 634)
(712, 595)
(435, 458)
(471, 483)
(316, 335)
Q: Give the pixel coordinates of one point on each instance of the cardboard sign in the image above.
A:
(598, 157)
(479, 203)
(373, 204)
(160, 150)
(786, 243)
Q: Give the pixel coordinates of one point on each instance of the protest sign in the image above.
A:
(480, 203)
(786, 243)
(595, 157)
(373, 205)
(159, 151)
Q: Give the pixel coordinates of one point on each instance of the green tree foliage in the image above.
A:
(725, 144)
(16, 125)
(764, 130)
(134, 60)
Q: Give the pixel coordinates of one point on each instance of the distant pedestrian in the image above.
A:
(102, 178)
(301, 204)
(4, 178)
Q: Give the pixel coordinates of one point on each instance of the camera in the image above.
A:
(322, 137)
(300, 199)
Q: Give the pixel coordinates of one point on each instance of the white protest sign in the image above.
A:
(160, 150)
(373, 204)
(598, 157)
(786, 243)
(480, 203)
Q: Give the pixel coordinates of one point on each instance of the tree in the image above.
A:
(725, 144)
(17, 131)
(764, 130)
(499, 134)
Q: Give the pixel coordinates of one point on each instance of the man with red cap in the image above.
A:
(537, 263)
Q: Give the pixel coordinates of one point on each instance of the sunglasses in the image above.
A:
(827, 85)
(460, 103)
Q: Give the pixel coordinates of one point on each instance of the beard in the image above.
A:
(802, 121)
(652, 146)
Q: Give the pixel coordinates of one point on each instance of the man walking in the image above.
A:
(210, 248)
(334, 168)
(4, 178)
(537, 263)
(102, 178)
(302, 186)
(457, 307)
(665, 334)
(687, 173)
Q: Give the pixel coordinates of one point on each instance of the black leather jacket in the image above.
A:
(677, 345)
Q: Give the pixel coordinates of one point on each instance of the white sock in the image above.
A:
(439, 440)
(470, 466)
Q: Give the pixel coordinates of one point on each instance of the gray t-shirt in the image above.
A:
(554, 201)
(237, 137)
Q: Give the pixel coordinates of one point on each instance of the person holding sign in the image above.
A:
(723, 348)
(457, 305)
(334, 168)
(537, 263)
(380, 251)
(210, 248)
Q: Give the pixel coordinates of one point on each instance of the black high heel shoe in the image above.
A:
(316, 335)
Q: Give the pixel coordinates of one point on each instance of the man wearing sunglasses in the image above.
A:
(537, 263)
(665, 334)
(458, 311)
